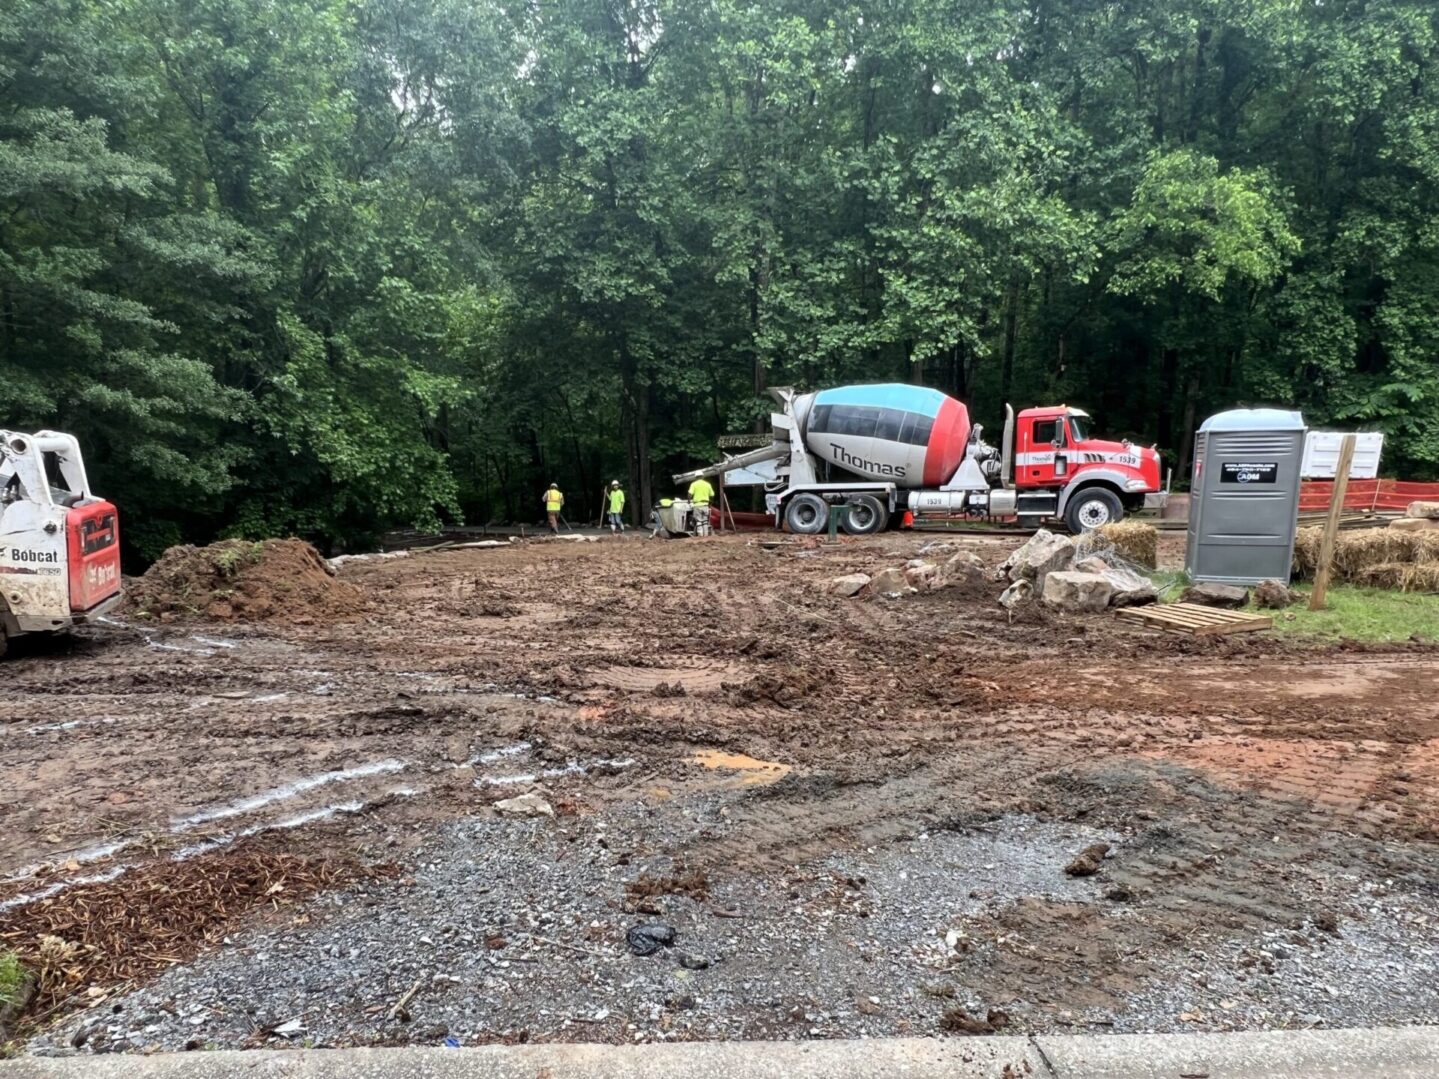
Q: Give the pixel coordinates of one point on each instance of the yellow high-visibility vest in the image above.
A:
(617, 501)
(701, 492)
(554, 500)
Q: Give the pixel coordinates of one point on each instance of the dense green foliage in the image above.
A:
(328, 267)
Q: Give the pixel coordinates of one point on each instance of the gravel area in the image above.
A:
(515, 931)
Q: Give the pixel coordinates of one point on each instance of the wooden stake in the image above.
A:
(724, 506)
(1331, 523)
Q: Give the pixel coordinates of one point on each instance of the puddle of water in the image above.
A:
(753, 772)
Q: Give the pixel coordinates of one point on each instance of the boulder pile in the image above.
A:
(1051, 566)
(964, 568)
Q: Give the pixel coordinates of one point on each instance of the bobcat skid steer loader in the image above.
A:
(59, 544)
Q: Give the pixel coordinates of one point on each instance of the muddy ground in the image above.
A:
(855, 814)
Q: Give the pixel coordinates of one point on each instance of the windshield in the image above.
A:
(1078, 431)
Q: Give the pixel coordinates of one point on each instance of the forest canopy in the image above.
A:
(325, 267)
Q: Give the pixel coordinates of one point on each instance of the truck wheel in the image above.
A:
(864, 515)
(806, 514)
(1092, 508)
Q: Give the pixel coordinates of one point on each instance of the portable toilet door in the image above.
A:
(1244, 498)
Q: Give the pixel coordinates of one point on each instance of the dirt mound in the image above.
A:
(244, 581)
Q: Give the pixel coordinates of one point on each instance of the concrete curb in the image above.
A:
(1391, 1052)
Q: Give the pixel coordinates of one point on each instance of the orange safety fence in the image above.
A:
(1391, 495)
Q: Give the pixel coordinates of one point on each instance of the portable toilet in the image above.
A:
(1244, 498)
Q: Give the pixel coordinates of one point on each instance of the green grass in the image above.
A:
(230, 559)
(1363, 614)
(1171, 583)
(1360, 614)
(12, 978)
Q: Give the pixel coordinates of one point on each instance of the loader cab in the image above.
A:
(1044, 442)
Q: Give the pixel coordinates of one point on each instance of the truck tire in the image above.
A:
(864, 515)
(806, 514)
(1092, 508)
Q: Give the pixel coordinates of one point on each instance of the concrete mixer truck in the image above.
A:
(894, 452)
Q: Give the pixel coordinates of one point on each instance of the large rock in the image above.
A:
(1042, 554)
(966, 567)
(1070, 590)
(848, 585)
(526, 805)
(1423, 510)
(1275, 595)
(889, 582)
(1016, 595)
(1208, 594)
(1414, 524)
(922, 576)
(1127, 588)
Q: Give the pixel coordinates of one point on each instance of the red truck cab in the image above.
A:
(1060, 470)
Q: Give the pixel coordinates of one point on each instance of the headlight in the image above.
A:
(1135, 485)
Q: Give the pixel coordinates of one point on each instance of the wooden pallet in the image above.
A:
(1196, 619)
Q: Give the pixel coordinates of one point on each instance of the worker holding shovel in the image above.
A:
(615, 504)
(554, 501)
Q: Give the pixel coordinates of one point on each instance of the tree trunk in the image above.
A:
(1168, 375)
(1186, 437)
(634, 418)
(1011, 323)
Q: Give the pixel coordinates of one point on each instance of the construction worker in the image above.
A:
(701, 495)
(615, 507)
(554, 502)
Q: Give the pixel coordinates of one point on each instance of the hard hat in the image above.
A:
(614, 483)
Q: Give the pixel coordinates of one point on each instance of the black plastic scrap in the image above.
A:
(648, 939)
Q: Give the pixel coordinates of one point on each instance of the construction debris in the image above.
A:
(650, 938)
(1423, 511)
(1196, 620)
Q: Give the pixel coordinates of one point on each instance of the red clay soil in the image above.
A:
(1227, 765)
(284, 581)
